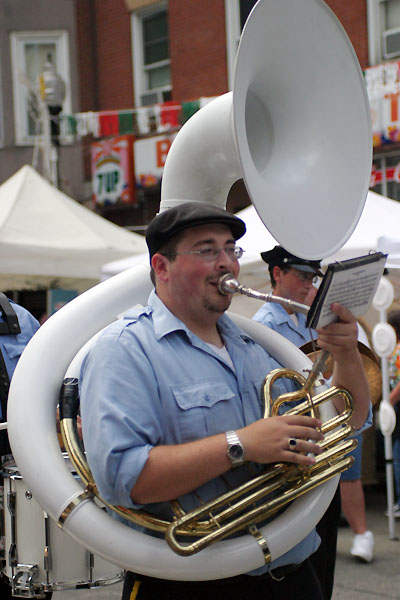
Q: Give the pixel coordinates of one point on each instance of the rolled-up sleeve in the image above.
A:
(120, 426)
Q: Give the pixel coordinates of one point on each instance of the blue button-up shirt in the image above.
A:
(148, 380)
(277, 318)
(12, 345)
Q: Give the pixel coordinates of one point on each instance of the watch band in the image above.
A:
(235, 449)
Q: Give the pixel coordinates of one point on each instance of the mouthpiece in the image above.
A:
(227, 284)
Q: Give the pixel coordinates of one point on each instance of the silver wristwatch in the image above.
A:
(235, 449)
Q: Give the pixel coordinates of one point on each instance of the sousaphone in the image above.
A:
(297, 129)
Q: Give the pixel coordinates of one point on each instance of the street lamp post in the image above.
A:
(52, 91)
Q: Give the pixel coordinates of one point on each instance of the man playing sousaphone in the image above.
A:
(171, 400)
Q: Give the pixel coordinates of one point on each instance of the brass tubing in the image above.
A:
(259, 513)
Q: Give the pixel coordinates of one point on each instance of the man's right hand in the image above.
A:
(267, 440)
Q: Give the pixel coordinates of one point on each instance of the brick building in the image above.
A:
(117, 55)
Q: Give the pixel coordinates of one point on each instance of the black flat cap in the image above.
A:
(189, 214)
(280, 257)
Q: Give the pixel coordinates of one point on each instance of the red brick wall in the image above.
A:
(114, 55)
(197, 48)
(353, 16)
(86, 55)
(104, 54)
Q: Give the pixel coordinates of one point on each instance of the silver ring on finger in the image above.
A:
(292, 444)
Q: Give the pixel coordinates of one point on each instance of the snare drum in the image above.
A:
(39, 556)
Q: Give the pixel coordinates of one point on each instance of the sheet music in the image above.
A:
(352, 283)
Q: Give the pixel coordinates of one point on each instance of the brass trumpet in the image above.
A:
(253, 502)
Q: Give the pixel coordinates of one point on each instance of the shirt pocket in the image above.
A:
(202, 408)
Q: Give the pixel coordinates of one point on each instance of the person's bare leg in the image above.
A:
(353, 505)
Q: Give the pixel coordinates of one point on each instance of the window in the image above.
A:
(29, 53)
(236, 13)
(152, 77)
(383, 30)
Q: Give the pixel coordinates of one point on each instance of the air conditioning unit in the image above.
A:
(157, 96)
(150, 98)
(391, 43)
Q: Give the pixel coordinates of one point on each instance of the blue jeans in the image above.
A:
(354, 472)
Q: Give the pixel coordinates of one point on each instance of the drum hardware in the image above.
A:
(90, 565)
(22, 582)
(30, 533)
(12, 551)
(47, 562)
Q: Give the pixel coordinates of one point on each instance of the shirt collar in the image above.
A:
(165, 322)
(280, 314)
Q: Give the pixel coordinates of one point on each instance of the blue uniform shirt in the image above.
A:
(12, 345)
(148, 380)
(277, 318)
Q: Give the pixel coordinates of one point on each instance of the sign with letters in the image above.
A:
(112, 171)
(150, 157)
(383, 87)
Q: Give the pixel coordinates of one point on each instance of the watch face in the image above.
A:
(236, 451)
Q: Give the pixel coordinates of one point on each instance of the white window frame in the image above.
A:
(18, 40)
(232, 28)
(376, 29)
(137, 54)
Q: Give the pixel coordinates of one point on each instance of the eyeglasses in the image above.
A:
(305, 276)
(209, 253)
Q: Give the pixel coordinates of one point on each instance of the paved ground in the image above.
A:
(381, 578)
(353, 581)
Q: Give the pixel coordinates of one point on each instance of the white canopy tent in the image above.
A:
(380, 217)
(49, 240)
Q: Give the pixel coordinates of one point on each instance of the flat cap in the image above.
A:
(189, 214)
(280, 257)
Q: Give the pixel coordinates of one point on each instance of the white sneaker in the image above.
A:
(396, 511)
(363, 547)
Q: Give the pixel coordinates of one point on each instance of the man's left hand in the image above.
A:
(340, 338)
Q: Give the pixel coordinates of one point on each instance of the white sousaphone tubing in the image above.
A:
(32, 431)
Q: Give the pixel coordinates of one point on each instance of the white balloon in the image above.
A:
(384, 339)
(384, 295)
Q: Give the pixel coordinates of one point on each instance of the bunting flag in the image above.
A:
(146, 120)
(108, 124)
(170, 115)
(127, 122)
(188, 109)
